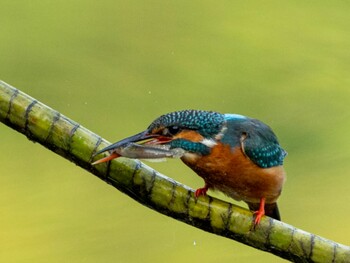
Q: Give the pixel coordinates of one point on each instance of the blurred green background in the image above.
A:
(114, 66)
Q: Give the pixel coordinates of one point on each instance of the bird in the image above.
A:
(237, 155)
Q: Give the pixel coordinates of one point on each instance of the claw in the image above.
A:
(201, 191)
(260, 213)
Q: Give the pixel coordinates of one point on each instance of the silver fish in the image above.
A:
(134, 150)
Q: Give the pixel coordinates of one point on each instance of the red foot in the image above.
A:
(201, 191)
(260, 213)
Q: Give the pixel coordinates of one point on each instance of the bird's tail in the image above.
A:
(271, 210)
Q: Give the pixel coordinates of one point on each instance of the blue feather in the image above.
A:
(260, 144)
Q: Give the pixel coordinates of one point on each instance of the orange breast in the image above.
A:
(233, 173)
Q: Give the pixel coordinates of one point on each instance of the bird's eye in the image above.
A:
(171, 130)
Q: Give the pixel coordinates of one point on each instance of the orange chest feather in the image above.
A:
(232, 172)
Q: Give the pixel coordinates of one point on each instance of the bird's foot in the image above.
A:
(260, 213)
(201, 191)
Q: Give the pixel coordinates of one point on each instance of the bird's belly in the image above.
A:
(232, 173)
(249, 187)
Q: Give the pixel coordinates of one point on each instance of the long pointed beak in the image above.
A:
(135, 138)
(123, 143)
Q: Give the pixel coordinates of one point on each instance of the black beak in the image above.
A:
(135, 138)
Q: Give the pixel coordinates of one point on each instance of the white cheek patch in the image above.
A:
(209, 142)
(221, 134)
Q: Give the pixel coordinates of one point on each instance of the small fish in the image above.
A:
(134, 150)
(138, 151)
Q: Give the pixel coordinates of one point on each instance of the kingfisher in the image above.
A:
(237, 155)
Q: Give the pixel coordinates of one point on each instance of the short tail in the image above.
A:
(271, 210)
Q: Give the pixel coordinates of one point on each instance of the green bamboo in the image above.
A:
(156, 191)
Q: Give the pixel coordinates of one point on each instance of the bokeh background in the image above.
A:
(114, 66)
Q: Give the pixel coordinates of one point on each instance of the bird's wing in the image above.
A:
(263, 152)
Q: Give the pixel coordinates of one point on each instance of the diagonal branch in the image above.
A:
(156, 191)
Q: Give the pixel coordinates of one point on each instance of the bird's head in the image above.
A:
(194, 132)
